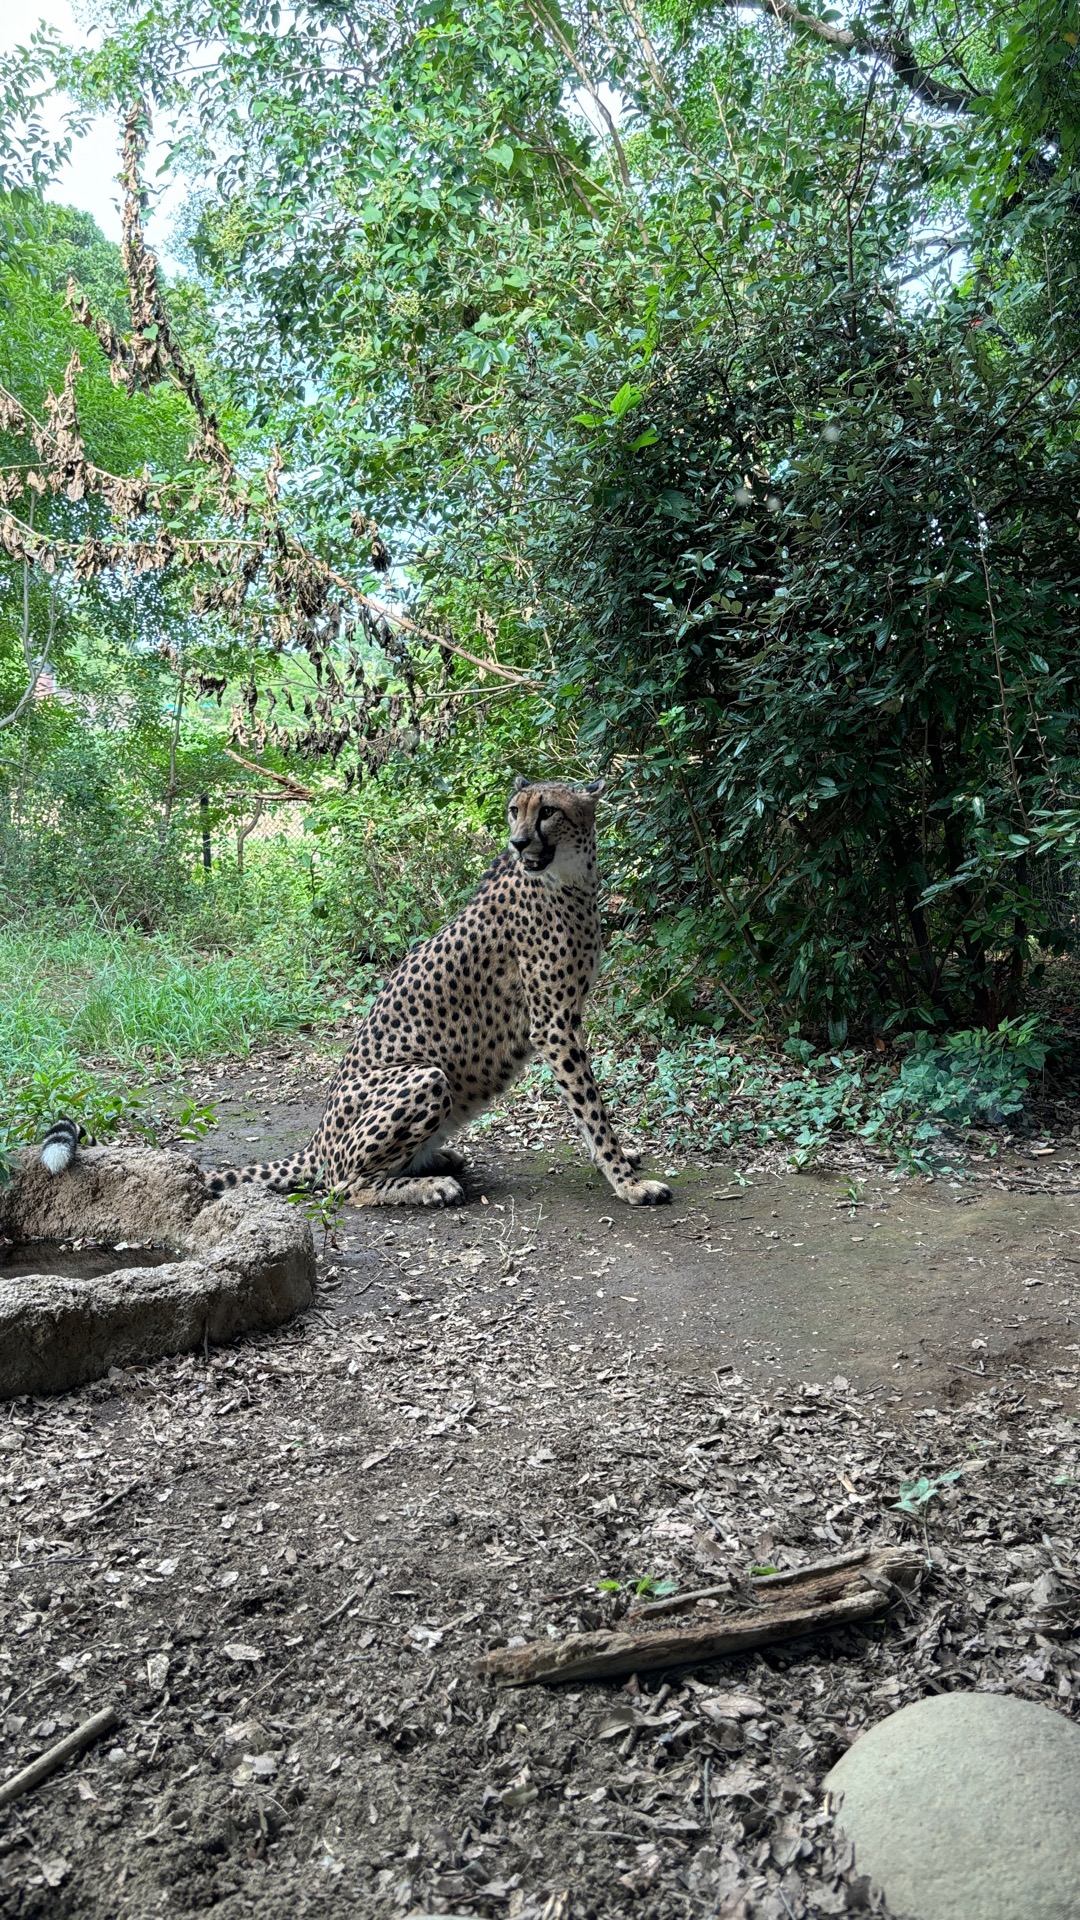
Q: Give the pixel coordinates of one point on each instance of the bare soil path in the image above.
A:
(913, 1284)
(279, 1560)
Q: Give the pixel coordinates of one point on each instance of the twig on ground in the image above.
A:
(54, 1757)
(95, 1513)
(679, 1602)
(329, 1618)
(822, 1580)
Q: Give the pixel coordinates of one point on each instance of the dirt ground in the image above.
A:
(907, 1283)
(280, 1560)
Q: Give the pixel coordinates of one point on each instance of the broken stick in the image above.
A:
(291, 789)
(54, 1757)
(856, 1592)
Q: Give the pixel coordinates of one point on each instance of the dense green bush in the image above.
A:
(848, 676)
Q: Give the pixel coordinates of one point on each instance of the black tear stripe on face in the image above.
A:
(532, 861)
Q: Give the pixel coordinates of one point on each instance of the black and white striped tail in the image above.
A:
(61, 1144)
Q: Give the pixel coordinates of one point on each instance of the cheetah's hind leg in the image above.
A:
(436, 1157)
(406, 1190)
(390, 1154)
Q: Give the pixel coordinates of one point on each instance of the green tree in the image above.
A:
(718, 372)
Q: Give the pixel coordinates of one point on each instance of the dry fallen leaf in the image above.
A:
(732, 1706)
(254, 1766)
(157, 1671)
(375, 1459)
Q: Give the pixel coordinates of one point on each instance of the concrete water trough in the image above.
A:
(125, 1257)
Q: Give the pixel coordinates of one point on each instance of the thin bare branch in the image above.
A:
(551, 26)
(34, 668)
(291, 788)
(656, 71)
(424, 633)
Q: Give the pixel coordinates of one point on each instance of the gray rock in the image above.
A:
(966, 1806)
(245, 1261)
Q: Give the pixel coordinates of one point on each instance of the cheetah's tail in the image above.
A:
(62, 1143)
(273, 1176)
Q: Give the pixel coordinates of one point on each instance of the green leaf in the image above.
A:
(658, 1589)
(628, 396)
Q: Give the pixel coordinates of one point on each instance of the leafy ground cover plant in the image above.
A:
(975, 1078)
(916, 1495)
(704, 1093)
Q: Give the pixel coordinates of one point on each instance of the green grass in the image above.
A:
(85, 1015)
(88, 1016)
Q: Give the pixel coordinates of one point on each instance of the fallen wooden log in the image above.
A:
(810, 1600)
(54, 1757)
(823, 1580)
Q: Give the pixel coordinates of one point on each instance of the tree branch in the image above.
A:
(894, 49)
(33, 670)
(656, 71)
(424, 633)
(549, 25)
(291, 788)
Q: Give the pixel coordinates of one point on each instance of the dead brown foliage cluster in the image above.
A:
(227, 535)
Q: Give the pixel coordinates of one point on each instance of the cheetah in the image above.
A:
(461, 1017)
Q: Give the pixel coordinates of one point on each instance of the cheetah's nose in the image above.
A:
(520, 841)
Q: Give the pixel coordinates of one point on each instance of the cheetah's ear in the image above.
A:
(520, 783)
(595, 787)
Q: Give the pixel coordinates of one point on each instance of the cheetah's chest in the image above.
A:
(470, 999)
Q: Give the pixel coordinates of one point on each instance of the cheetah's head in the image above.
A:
(552, 826)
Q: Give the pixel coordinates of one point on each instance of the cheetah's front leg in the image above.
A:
(566, 1055)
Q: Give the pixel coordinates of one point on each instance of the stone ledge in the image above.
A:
(246, 1262)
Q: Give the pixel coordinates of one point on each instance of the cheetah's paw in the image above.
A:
(646, 1193)
(443, 1191)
